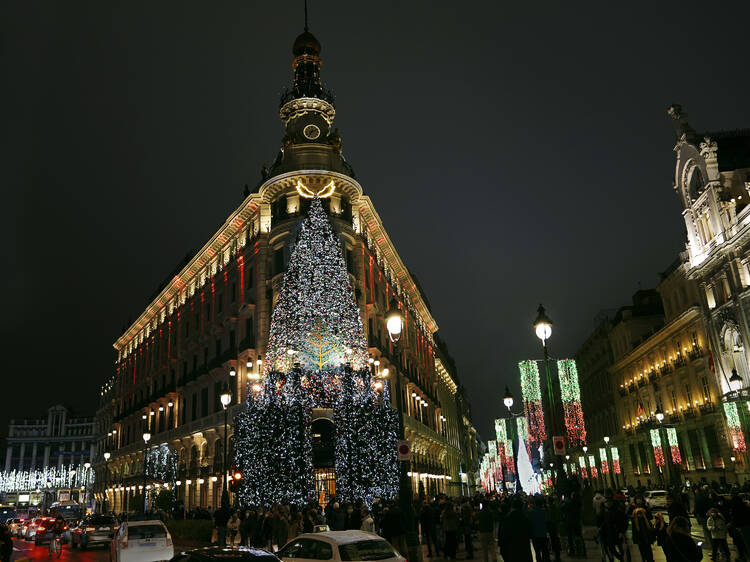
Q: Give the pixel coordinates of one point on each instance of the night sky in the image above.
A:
(518, 152)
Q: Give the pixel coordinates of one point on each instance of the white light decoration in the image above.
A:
(307, 193)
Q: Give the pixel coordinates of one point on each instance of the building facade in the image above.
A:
(208, 328)
(671, 429)
(712, 178)
(48, 459)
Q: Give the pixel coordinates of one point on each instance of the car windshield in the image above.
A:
(366, 550)
(658, 493)
(146, 532)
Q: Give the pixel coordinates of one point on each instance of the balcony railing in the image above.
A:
(695, 353)
(689, 412)
(665, 369)
(707, 408)
(623, 391)
(680, 361)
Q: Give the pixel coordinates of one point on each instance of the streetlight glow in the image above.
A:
(735, 381)
(394, 322)
(146, 437)
(225, 398)
(508, 398)
(542, 325)
(107, 455)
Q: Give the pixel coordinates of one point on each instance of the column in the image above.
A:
(46, 455)
(33, 456)
(20, 456)
(8, 457)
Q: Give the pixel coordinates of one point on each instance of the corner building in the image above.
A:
(208, 327)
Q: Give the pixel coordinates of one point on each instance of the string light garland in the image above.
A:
(316, 359)
(656, 444)
(735, 428)
(67, 476)
(603, 460)
(570, 393)
(674, 446)
(532, 400)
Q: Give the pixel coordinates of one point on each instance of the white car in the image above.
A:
(656, 499)
(338, 546)
(142, 541)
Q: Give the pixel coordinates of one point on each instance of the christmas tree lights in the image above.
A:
(570, 393)
(615, 460)
(656, 444)
(735, 427)
(316, 359)
(674, 447)
(532, 400)
(603, 460)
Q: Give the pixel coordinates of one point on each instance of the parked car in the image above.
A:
(6, 514)
(220, 554)
(338, 546)
(141, 541)
(94, 529)
(656, 499)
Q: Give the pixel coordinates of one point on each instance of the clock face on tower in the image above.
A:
(311, 132)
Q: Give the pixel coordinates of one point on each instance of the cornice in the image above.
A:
(374, 224)
(345, 185)
(232, 226)
(688, 316)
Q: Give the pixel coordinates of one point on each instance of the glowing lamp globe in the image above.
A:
(585, 448)
(508, 398)
(394, 322)
(225, 398)
(107, 455)
(542, 325)
(735, 381)
(146, 437)
(606, 439)
(659, 415)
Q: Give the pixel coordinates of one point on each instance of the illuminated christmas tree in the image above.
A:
(316, 365)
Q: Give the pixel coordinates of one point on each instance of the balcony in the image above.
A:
(642, 382)
(706, 408)
(623, 390)
(689, 412)
(680, 361)
(665, 369)
(674, 418)
(654, 375)
(695, 353)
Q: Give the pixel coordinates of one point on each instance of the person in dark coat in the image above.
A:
(336, 518)
(429, 528)
(515, 534)
(451, 525)
(676, 509)
(678, 545)
(6, 543)
(391, 528)
(538, 517)
(353, 518)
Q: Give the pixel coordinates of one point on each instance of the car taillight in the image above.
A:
(90, 529)
(65, 528)
(40, 529)
(169, 539)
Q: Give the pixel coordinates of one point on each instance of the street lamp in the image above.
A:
(87, 467)
(106, 456)
(394, 322)
(508, 398)
(735, 381)
(146, 439)
(543, 330)
(226, 399)
(659, 415)
(606, 440)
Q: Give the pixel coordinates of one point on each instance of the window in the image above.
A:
(249, 275)
(234, 292)
(250, 331)
(218, 347)
(673, 396)
(689, 395)
(204, 402)
(706, 390)
(194, 407)
(219, 302)
(366, 550)
(278, 260)
(232, 339)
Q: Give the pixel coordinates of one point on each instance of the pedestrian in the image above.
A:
(703, 502)
(429, 528)
(679, 546)
(6, 543)
(368, 523)
(336, 518)
(717, 526)
(353, 518)
(515, 534)
(538, 517)
(740, 526)
(486, 521)
(451, 526)
(247, 527)
(467, 525)
(221, 518)
(553, 525)
(643, 533)
(233, 527)
(612, 524)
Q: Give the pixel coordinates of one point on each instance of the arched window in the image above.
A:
(194, 461)
(695, 183)
(218, 456)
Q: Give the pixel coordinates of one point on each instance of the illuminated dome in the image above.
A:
(306, 44)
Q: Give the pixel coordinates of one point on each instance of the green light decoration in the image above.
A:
(674, 446)
(523, 433)
(582, 465)
(603, 460)
(504, 444)
(735, 427)
(656, 444)
(532, 400)
(592, 464)
(615, 460)
(570, 393)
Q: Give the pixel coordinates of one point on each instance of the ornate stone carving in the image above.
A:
(708, 148)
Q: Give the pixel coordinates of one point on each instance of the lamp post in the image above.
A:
(513, 431)
(394, 324)
(226, 399)
(608, 458)
(106, 456)
(659, 415)
(146, 439)
(86, 473)
(543, 330)
(508, 398)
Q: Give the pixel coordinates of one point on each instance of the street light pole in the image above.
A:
(543, 329)
(394, 323)
(146, 439)
(106, 455)
(87, 494)
(611, 466)
(226, 399)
